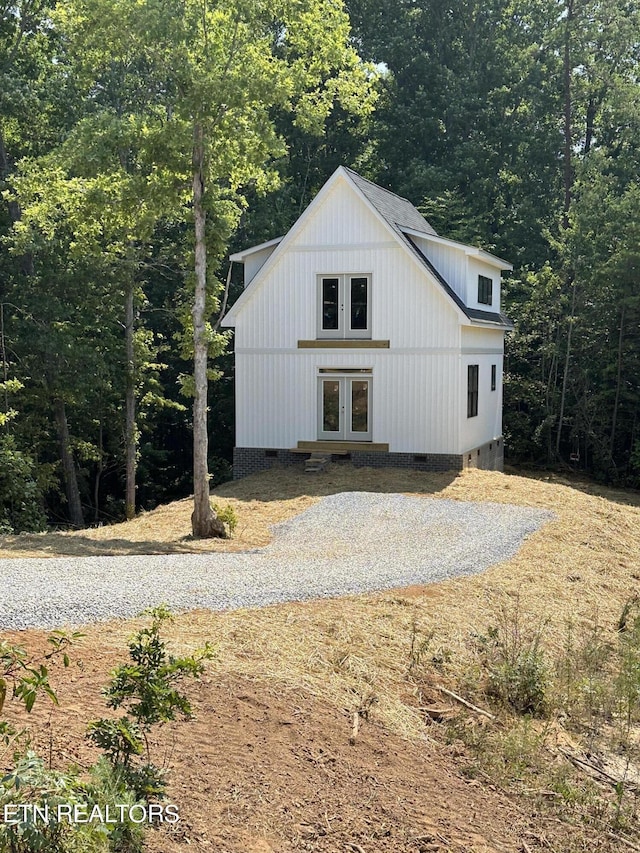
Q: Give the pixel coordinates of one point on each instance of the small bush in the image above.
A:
(31, 784)
(518, 674)
(521, 681)
(227, 515)
(148, 689)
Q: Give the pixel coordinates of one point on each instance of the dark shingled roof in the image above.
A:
(397, 211)
(400, 214)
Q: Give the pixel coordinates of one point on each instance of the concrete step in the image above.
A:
(315, 463)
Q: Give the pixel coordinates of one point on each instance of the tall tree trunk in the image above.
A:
(3, 355)
(204, 522)
(68, 467)
(567, 358)
(614, 419)
(130, 406)
(592, 107)
(13, 207)
(96, 485)
(568, 187)
(568, 145)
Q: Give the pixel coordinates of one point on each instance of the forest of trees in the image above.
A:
(142, 143)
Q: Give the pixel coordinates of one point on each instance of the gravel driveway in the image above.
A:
(347, 543)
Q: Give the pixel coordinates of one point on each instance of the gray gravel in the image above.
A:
(347, 543)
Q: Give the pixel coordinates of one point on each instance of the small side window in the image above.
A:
(485, 290)
(472, 390)
(493, 377)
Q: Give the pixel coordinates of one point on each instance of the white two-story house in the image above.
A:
(362, 332)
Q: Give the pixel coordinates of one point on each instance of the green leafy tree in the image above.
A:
(220, 70)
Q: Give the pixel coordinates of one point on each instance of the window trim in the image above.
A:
(485, 290)
(473, 376)
(344, 330)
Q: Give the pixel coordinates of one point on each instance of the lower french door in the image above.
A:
(344, 408)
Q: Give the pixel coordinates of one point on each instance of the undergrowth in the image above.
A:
(561, 726)
(40, 800)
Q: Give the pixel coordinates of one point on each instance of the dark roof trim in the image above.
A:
(489, 317)
(492, 317)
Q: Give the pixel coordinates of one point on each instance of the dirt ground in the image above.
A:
(267, 768)
(267, 765)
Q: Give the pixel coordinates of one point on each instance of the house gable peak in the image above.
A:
(398, 212)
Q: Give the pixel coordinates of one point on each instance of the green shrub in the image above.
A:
(517, 671)
(32, 784)
(521, 681)
(147, 688)
(227, 515)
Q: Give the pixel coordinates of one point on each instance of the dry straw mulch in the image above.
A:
(578, 569)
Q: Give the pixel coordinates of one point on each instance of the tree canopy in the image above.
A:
(141, 143)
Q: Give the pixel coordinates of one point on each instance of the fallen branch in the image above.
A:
(437, 714)
(595, 772)
(465, 703)
(540, 792)
(623, 840)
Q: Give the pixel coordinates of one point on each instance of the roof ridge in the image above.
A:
(377, 186)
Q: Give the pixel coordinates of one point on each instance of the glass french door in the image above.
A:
(344, 408)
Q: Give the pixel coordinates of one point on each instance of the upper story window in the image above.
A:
(344, 303)
(485, 290)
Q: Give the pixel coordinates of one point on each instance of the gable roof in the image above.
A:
(397, 212)
(399, 215)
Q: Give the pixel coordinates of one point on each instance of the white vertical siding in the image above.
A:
(480, 338)
(413, 398)
(477, 268)
(451, 263)
(461, 271)
(407, 308)
(254, 263)
(483, 347)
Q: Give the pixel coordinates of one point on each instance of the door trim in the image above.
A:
(345, 382)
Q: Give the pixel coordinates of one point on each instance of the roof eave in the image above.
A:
(494, 260)
(240, 256)
(492, 324)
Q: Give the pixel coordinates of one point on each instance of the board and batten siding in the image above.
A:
(476, 268)
(406, 309)
(450, 262)
(483, 347)
(254, 262)
(413, 397)
(461, 271)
